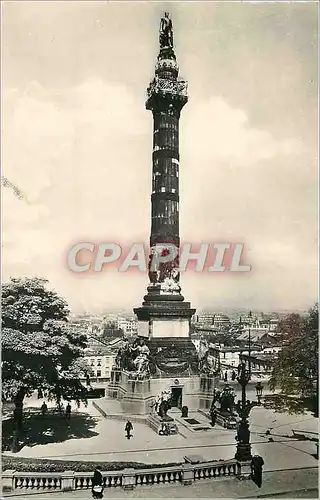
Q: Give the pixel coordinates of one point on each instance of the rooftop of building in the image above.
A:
(262, 356)
(254, 333)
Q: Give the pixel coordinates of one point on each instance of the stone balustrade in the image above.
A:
(127, 478)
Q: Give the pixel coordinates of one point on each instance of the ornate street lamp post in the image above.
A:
(243, 408)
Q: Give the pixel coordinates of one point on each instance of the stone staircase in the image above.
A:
(111, 408)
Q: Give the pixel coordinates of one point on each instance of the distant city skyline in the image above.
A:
(77, 144)
(232, 312)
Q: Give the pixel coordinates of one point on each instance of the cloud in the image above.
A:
(227, 136)
(66, 150)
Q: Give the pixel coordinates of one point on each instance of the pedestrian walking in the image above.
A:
(44, 409)
(257, 463)
(68, 411)
(233, 375)
(97, 484)
(225, 376)
(128, 428)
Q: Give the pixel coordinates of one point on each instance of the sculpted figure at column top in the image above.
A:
(166, 32)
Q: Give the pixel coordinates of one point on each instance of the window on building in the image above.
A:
(163, 190)
(99, 362)
(98, 373)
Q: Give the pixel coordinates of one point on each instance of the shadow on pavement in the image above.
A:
(53, 428)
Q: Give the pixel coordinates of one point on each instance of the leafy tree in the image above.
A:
(296, 370)
(39, 349)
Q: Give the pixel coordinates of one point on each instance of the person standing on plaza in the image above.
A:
(44, 409)
(257, 463)
(68, 411)
(128, 428)
(97, 484)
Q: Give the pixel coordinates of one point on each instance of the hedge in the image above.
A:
(21, 464)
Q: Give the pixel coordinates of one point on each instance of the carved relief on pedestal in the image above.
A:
(174, 360)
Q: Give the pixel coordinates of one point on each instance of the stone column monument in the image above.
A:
(163, 360)
(164, 318)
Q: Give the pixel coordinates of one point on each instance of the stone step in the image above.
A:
(108, 412)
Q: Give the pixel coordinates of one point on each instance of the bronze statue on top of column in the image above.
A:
(166, 32)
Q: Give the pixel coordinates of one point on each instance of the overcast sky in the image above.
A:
(77, 141)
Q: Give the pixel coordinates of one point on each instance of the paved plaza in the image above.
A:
(107, 441)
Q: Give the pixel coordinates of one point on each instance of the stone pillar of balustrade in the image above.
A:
(7, 480)
(244, 470)
(128, 479)
(187, 474)
(67, 480)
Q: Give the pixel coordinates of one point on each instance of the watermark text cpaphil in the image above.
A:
(205, 257)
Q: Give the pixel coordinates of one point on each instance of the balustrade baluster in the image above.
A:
(151, 477)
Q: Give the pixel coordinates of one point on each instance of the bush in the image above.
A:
(36, 465)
